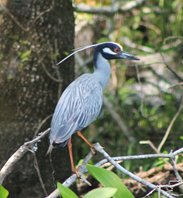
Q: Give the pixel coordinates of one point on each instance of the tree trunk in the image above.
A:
(34, 36)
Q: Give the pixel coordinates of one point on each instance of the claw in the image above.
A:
(81, 176)
(94, 152)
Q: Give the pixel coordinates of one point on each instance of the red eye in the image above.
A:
(116, 50)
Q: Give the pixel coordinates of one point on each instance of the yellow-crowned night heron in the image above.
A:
(81, 102)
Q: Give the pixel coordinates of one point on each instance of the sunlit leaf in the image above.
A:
(106, 192)
(25, 55)
(3, 192)
(110, 179)
(66, 192)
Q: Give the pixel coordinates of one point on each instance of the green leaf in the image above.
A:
(110, 179)
(24, 56)
(106, 192)
(3, 192)
(66, 192)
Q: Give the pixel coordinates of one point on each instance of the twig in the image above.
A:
(41, 124)
(148, 142)
(179, 178)
(135, 157)
(114, 161)
(169, 128)
(27, 146)
(175, 85)
(141, 92)
(36, 166)
(170, 69)
(50, 75)
(177, 152)
(4, 8)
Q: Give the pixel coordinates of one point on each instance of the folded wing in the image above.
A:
(79, 105)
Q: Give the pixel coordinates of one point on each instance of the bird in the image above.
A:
(81, 102)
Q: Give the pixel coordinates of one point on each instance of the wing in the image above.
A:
(79, 105)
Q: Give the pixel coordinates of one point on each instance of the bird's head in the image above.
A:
(111, 50)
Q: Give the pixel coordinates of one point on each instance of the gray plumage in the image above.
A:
(79, 105)
(81, 102)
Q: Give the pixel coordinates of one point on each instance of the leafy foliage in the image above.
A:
(3, 192)
(113, 186)
(106, 192)
(141, 93)
(109, 179)
(154, 27)
(66, 192)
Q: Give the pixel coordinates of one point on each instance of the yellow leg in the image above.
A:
(71, 156)
(84, 139)
(87, 142)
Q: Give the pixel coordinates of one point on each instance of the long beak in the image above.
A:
(126, 55)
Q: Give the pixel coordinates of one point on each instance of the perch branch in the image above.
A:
(27, 146)
(100, 149)
(113, 160)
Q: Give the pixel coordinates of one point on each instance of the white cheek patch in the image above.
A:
(108, 51)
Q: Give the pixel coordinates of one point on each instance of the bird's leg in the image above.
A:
(71, 156)
(87, 142)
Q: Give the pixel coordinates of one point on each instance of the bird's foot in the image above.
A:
(81, 176)
(93, 150)
(76, 171)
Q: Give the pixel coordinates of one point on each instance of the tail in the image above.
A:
(49, 150)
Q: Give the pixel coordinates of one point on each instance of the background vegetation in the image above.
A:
(145, 95)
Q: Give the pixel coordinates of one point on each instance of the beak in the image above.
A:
(126, 55)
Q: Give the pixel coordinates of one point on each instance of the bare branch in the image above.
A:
(114, 161)
(169, 128)
(41, 124)
(36, 166)
(170, 69)
(27, 146)
(177, 84)
(100, 149)
(179, 178)
(148, 142)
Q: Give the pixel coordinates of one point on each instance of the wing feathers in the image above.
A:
(79, 105)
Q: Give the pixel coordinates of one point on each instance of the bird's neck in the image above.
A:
(102, 69)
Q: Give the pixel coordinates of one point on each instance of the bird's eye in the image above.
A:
(116, 50)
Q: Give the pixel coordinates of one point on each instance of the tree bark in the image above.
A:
(35, 35)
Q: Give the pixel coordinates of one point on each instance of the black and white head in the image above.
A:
(111, 50)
